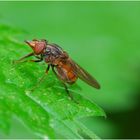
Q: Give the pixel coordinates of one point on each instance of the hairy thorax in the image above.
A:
(54, 55)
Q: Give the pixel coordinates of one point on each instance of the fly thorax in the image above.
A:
(51, 54)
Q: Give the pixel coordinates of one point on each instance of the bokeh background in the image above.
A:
(104, 38)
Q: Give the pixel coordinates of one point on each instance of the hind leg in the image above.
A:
(66, 88)
(64, 84)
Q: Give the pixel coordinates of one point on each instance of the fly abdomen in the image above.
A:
(66, 74)
(72, 77)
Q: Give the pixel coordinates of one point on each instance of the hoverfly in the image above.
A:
(66, 70)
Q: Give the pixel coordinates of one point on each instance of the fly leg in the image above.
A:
(41, 79)
(22, 58)
(69, 94)
(39, 59)
(65, 86)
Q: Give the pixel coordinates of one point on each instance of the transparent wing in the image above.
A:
(84, 75)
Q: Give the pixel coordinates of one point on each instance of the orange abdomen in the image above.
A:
(71, 76)
(66, 73)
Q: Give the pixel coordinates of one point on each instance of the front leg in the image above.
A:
(26, 56)
(22, 58)
(37, 60)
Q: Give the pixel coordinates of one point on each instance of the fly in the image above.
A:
(65, 69)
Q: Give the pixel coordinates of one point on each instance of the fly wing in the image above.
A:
(84, 75)
(65, 72)
(61, 74)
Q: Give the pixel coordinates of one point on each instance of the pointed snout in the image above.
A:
(30, 43)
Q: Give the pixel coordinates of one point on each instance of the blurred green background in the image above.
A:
(104, 38)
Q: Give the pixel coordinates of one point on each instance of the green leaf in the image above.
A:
(4, 117)
(47, 111)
